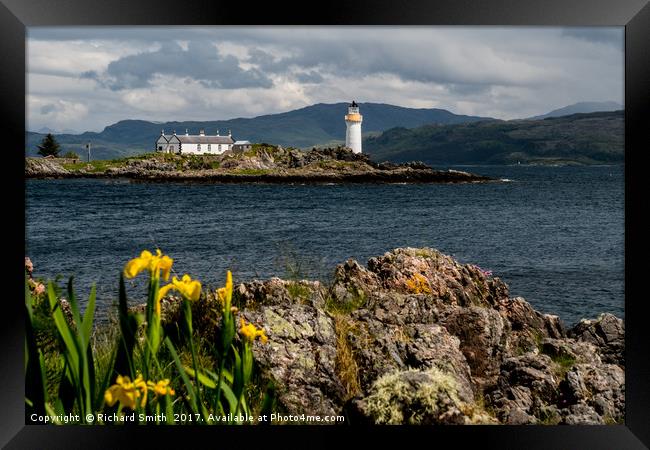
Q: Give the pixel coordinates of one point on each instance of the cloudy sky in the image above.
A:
(87, 78)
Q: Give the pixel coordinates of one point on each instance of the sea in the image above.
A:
(554, 234)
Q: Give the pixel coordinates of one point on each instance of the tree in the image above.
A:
(71, 155)
(49, 146)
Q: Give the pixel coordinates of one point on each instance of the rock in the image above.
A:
(353, 284)
(482, 334)
(42, 167)
(532, 371)
(581, 414)
(263, 163)
(300, 355)
(416, 337)
(607, 333)
(517, 416)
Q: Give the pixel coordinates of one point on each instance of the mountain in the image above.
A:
(584, 138)
(581, 107)
(315, 125)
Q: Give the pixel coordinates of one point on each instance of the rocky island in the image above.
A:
(415, 337)
(263, 163)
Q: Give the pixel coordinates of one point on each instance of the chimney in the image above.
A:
(187, 132)
(218, 133)
(202, 132)
(174, 132)
(162, 132)
(229, 133)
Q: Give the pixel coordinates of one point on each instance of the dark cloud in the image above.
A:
(468, 88)
(201, 61)
(46, 109)
(309, 77)
(503, 72)
(600, 35)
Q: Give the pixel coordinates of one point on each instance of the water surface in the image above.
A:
(554, 234)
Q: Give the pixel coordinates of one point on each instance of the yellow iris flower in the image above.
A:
(127, 392)
(154, 263)
(161, 388)
(250, 332)
(188, 288)
(225, 293)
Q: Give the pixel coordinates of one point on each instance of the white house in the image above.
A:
(194, 144)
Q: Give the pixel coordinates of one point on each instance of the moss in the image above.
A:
(425, 252)
(397, 400)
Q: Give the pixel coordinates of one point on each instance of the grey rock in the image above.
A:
(607, 333)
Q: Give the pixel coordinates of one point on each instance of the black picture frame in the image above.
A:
(16, 15)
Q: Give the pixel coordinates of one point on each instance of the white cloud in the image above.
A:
(503, 72)
(59, 114)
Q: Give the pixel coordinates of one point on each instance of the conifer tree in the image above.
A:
(49, 146)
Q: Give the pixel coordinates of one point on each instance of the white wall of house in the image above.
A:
(205, 149)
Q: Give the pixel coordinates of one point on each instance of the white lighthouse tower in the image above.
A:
(353, 128)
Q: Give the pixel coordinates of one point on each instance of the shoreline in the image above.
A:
(439, 177)
(263, 164)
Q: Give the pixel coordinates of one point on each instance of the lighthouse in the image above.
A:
(353, 128)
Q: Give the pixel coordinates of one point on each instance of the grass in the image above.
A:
(99, 165)
(562, 360)
(298, 291)
(345, 364)
(335, 306)
(548, 416)
(563, 364)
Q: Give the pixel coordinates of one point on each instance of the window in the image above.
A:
(219, 147)
(209, 147)
(198, 147)
(160, 147)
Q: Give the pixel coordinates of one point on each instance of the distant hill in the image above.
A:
(584, 138)
(316, 125)
(581, 107)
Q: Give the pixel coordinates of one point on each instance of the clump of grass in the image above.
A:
(346, 365)
(548, 416)
(357, 299)
(563, 360)
(563, 364)
(298, 291)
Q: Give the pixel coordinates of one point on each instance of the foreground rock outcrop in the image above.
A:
(416, 337)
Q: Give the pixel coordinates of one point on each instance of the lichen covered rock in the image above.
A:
(417, 337)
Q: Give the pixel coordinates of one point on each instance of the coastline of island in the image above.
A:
(263, 163)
